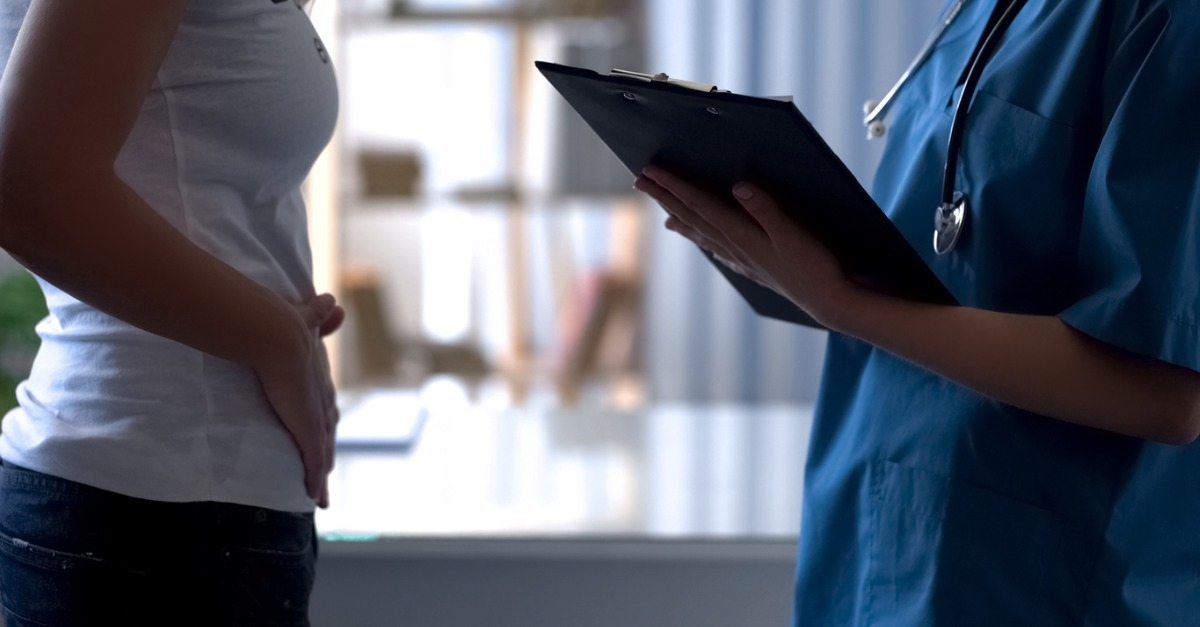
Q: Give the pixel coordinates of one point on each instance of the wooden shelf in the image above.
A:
(484, 16)
(521, 13)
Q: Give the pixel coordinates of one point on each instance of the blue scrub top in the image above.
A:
(929, 504)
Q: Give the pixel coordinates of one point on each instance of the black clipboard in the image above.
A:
(717, 139)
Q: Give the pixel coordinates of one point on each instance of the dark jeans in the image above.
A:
(72, 555)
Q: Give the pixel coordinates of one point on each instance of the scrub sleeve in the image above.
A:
(1139, 260)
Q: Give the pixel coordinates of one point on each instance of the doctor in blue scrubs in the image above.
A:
(1026, 458)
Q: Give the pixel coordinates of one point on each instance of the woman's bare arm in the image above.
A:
(69, 97)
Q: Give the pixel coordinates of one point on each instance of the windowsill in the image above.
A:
(585, 548)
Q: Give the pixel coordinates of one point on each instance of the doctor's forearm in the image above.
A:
(1037, 363)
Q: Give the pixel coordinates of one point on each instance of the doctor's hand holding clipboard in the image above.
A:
(1037, 363)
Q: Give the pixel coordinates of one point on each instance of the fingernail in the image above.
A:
(743, 191)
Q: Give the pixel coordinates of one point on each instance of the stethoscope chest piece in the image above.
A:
(950, 215)
(948, 223)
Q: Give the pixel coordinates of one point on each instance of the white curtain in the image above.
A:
(703, 344)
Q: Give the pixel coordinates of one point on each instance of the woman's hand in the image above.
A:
(300, 389)
(754, 238)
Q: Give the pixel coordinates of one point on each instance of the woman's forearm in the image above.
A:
(1037, 363)
(64, 118)
(96, 239)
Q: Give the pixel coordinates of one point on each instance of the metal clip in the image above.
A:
(662, 77)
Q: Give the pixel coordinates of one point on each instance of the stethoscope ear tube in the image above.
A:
(873, 111)
(952, 211)
(959, 124)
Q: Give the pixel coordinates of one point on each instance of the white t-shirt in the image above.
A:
(243, 103)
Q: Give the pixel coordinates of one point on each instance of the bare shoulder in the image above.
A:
(78, 73)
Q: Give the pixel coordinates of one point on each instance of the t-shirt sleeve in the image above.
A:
(1139, 258)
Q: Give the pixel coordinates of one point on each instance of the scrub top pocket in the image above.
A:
(944, 550)
(1020, 250)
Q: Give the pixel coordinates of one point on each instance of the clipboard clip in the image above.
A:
(661, 77)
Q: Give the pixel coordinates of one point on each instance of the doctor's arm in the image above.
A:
(69, 97)
(1037, 363)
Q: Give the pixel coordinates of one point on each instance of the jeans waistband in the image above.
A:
(19, 476)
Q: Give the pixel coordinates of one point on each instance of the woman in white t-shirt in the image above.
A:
(175, 433)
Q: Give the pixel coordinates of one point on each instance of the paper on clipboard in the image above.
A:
(718, 138)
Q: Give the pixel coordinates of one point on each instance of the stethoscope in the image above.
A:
(952, 212)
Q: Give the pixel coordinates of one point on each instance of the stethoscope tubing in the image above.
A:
(959, 124)
(876, 113)
(951, 213)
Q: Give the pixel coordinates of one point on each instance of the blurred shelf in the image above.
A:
(516, 11)
(510, 16)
